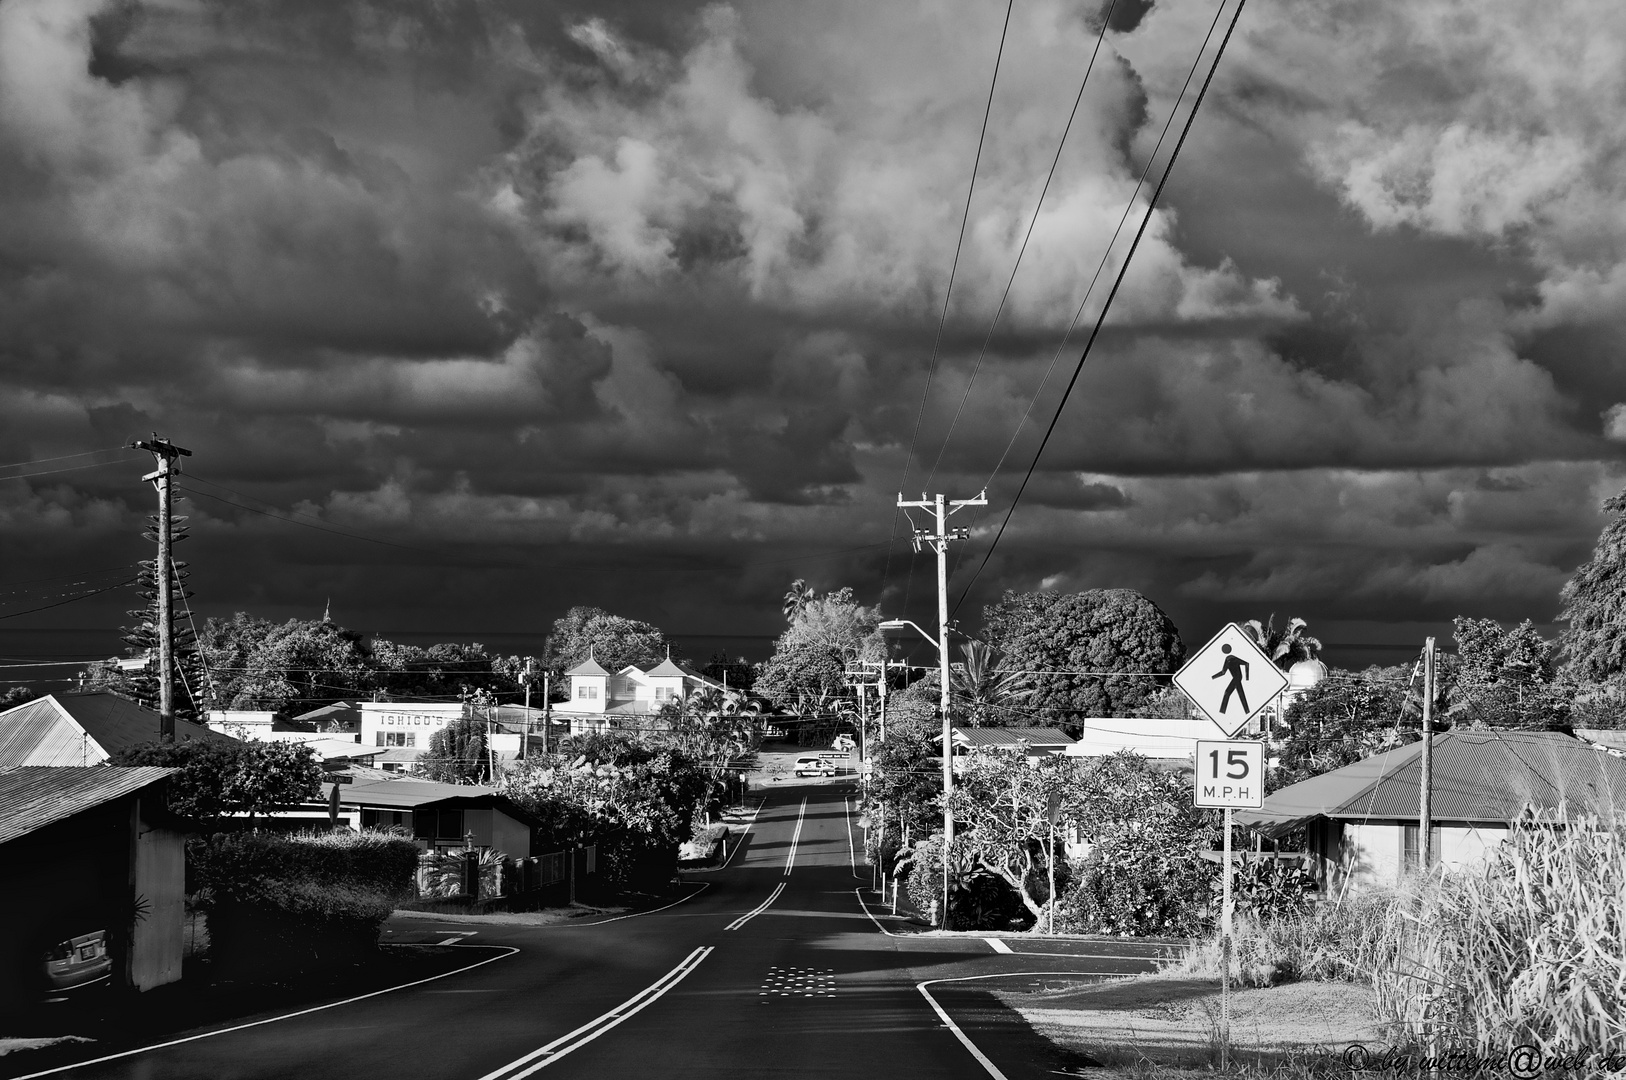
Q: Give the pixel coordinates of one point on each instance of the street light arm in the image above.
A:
(899, 624)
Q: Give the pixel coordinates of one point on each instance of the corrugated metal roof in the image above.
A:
(405, 794)
(34, 797)
(1479, 776)
(1010, 736)
(52, 730)
(40, 732)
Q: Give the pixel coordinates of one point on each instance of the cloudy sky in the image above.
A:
(513, 306)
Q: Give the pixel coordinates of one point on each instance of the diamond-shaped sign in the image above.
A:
(1230, 679)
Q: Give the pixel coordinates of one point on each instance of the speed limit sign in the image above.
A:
(1230, 774)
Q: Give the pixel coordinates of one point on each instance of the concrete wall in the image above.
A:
(422, 721)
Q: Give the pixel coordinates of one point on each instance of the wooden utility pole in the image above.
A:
(547, 706)
(1425, 801)
(938, 539)
(168, 456)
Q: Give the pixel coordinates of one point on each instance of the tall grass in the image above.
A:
(1527, 950)
(1530, 948)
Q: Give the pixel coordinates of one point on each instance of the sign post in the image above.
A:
(1228, 775)
(1052, 813)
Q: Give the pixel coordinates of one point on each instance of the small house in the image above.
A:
(1361, 822)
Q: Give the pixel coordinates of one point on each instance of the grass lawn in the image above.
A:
(1172, 1021)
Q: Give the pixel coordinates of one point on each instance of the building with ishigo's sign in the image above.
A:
(405, 724)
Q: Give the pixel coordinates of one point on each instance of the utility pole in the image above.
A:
(1425, 801)
(938, 539)
(525, 744)
(547, 706)
(167, 455)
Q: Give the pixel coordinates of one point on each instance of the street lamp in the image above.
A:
(948, 739)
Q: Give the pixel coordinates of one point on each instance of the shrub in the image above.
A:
(1131, 890)
(445, 869)
(281, 904)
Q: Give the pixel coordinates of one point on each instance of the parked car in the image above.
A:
(78, 961)
(815, 766)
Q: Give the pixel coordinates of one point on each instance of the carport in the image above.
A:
(86, 849)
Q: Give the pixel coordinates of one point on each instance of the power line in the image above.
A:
(306, 524)
(1106, 307)
(931, 369)
(53, 472)
(1017, 265)
(65, 457)
(82, 596)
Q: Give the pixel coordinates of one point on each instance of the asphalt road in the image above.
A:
(773, 967)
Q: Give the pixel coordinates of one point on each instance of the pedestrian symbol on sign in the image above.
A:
(1237, 669)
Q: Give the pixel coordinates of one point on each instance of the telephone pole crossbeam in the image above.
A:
(938, 539)
(167, 455)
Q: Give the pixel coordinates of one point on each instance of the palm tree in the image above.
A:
(797, 598)
(1285, 647)
(982, 691)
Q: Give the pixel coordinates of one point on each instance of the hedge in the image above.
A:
(280, 905)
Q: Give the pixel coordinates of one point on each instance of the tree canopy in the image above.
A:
(611, 640)
(809, 661)
(1594, 642)
(222, 777)
(1102, 630)
(1342, 719)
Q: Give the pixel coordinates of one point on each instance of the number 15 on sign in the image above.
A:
(1230, 774)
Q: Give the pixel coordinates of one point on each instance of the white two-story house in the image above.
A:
(629, 698)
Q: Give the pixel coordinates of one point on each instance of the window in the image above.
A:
(1409, 847)
(586, 692)
(397, 738)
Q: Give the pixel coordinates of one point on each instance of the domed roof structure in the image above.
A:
(1305, 674)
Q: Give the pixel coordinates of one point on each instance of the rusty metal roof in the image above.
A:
(1479, 776)
(36, 796)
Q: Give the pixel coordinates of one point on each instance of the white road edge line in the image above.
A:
(507, 951)
(860, 894)
(790, 859)
(457, 937)
(599, 1025)
(852, 854)
(982, 1059)
(758, 910)
(998, 945)
(748, 826)
(704, 885)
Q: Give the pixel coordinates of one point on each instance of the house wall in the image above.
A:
(512, 838)
(1373, 853)
(589, 693)
(160, 881)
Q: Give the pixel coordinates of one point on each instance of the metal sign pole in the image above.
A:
(1225, 950)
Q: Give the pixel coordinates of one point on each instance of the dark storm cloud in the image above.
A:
(627, 304)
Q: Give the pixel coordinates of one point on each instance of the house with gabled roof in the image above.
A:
(1361, 823)
(82, 729)
(601, 699)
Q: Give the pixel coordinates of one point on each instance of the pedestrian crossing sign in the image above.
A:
(1230, 679)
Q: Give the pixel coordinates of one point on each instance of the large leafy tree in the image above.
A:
(809, 662)
(290, 667)
(1067, 640)
(1594, 642)
(611, 640)
(221, 777)
(1342, 719)
(1506, 678)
